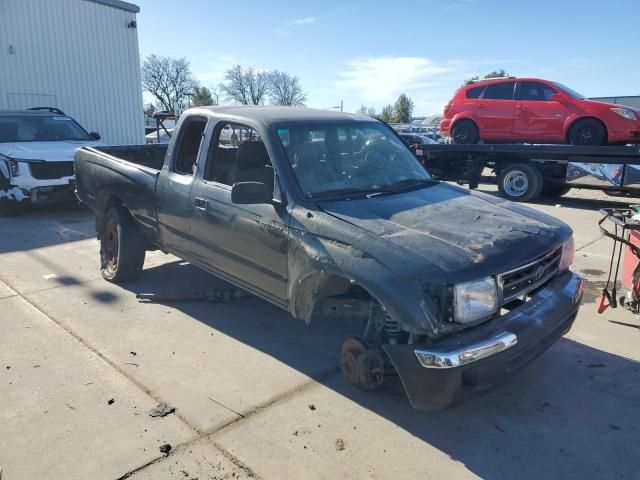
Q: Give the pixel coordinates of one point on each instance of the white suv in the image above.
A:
(36, 157)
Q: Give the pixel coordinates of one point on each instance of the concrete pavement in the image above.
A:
(258, 394)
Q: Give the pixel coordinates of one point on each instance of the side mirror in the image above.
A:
(251, 193)
(95, 136)
(556, 97)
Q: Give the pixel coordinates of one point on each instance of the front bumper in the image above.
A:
(443, 374)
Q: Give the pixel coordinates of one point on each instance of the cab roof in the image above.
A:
(268, 115)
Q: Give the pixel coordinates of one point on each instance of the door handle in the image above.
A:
(482, 105)
(521, 107)
(200, 203)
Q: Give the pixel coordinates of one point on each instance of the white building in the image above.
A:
(80, 56)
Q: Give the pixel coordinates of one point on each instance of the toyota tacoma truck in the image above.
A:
(36, 157)
(327, 214)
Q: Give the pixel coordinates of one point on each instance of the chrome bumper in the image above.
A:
(466, 355)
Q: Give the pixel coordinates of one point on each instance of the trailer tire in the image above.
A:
(520, 182)
(122, 248)
(554, 190)
(587, 131)
(465, 132)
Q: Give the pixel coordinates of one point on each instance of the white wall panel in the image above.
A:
(78, 52)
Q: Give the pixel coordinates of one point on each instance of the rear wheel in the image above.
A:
(122, 248)
(587, 132)
(465, 132)
(520, 182)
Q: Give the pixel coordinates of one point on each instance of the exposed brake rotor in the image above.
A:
(361, 366)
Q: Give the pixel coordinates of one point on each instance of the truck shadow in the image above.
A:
(46, 226)
(564, 416)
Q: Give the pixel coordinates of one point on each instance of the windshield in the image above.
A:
(39, 128)
(568, 91)
(348, 158)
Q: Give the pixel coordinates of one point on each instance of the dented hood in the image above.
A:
(461, 233)
(49, 151)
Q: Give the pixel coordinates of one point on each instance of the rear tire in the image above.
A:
(465, 132)
(520, 182)
(122, 248)
(587, 132)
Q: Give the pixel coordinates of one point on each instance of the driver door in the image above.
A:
(246, 243)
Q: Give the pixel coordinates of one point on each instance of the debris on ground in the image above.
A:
(339, 445)
(165, 448)
(162, 410)
(614, 427)
(596, 365)
(499, 428)
(111, 401)
(214, 296)
(312, 406)
(133, 354)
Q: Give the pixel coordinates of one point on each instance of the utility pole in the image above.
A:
(341, 105)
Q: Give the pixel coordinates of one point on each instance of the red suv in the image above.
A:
(535, 111)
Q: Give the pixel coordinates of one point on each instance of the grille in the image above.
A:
(522, 280)
(51, 170)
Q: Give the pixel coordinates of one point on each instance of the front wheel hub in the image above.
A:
(361, 366)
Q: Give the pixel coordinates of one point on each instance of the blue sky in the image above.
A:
(367, 52)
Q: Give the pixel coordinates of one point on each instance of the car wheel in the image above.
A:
(554, 190)
(520, 182)
(122, 248)
(465, 132)
(587, 132)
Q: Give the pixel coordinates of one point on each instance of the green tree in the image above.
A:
(494, 74)
(386, 114)
(201, 97)
(403, 109)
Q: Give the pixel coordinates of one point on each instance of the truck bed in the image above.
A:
(151, 156)
(130, 171)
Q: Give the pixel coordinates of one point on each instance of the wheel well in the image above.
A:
(571, 125)
(329, 295)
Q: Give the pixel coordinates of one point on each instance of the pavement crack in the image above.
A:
(588, 244)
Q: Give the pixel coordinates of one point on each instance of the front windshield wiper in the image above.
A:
(347, 192)
(409, 183)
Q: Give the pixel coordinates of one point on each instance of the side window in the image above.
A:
(535, 92)
(191, 136)
(475, 92)
(238, 154)
(499, 91)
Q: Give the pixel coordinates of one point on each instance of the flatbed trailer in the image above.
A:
(524, 172)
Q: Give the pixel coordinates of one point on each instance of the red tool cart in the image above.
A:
(626, 245)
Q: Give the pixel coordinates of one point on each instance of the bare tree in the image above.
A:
(285, 89)
(149, 110)
(167, 79)
(364, 110)
(216, 93)
(245, 85)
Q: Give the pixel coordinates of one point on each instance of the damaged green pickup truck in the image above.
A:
(323, 213)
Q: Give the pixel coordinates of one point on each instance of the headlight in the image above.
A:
(625, 112)
(567, 255)
(475, 300)
(13, 166)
